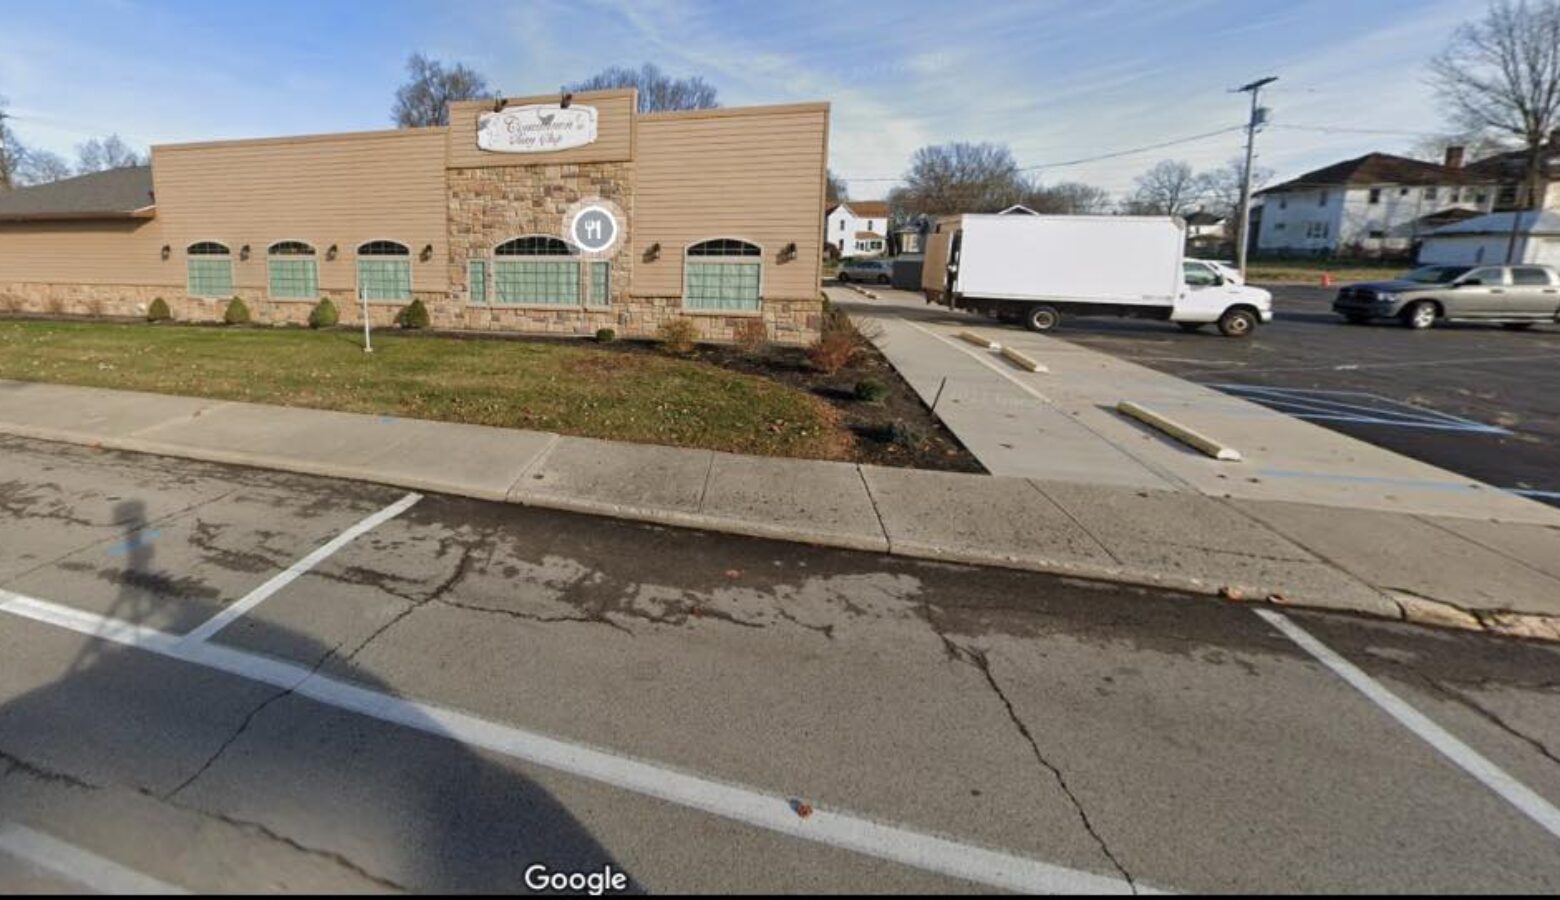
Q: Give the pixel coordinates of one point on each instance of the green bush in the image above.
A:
(158, 311)
(869, 390)
(605, 335)
(324, 314)
(236, 313)
(904, 434)
(415, 315)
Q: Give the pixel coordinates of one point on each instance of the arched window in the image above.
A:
(208, 270)
(384, 270)
(292, 273)
(722, 275)
(536, 270)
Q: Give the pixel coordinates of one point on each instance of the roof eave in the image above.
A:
(145, 212)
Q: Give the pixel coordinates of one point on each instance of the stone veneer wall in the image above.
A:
(133, 300)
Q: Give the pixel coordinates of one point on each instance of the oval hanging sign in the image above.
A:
(539, 128)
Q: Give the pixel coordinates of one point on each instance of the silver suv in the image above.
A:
(1514, 296)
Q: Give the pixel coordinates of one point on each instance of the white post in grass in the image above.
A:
(368, 341)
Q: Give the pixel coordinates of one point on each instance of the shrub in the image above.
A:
(10, 303)
(96, 307)
(904, 434)
(55, 306)
(236, 313)
(752, 335)
(324, 314)
(677, 335)
(414, 315)
(605, 335)
(870, 390)
(158, 311)
(832, 352)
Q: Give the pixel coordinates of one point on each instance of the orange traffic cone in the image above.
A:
(1326, 279)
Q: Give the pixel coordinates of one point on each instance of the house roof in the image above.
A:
(1507, 166)
(1018, 209)
(1202, 217)
(114, 194)
(863, 209)
(1540, 222)
(1376, 168)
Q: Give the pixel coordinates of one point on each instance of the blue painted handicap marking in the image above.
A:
(1354, 408)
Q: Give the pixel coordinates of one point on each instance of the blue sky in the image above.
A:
(1055, 80)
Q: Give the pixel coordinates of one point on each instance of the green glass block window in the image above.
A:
(722, 287)
(537, 283)
(294, 279)
(601, 284)
(209, 270)
(477, 280)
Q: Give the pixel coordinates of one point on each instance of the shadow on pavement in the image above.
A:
(405, 809)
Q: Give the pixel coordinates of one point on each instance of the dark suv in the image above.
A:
(1514, 296)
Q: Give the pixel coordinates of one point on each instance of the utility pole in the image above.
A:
(1258, 117)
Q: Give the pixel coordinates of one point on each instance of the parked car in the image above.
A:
(1033, 270)
(874, 271)
(1514, 296)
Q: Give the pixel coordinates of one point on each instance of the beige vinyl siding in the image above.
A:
(106, 252)
(751, 174)
(342, 189)
(614, 132)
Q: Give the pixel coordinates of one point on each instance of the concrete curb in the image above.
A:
(1182, 433)
(1413, 610)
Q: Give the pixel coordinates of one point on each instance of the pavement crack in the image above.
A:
(316, 852)
(982, 663)
(232, 739)
(15, 764)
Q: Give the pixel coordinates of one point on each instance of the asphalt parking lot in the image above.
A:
(1474, 399)
(219, 679)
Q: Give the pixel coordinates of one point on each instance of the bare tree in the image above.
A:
(959, 178)
(11, 151)
(1220, 189)
(1501, 75)
(102, 154)
(835, 188)
(41, 167)
(424, 100)
(1067, 198)
(1476, 144)
(1168, 189)
(658, 92)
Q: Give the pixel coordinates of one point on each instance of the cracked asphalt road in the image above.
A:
(1170, 741)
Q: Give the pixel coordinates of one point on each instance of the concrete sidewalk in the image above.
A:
(1474, 572)
(1063, 424)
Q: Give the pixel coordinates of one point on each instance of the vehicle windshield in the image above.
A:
(1436, 274)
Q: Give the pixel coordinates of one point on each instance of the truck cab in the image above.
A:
(1210, 290)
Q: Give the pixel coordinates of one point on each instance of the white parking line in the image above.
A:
(1463, 756)
(77, 865)
(754, 807)
(254, 598)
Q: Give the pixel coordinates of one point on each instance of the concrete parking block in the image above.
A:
(803, 500)
(1166, 534)
(979, 519)
(612, 478)
(1407, 554)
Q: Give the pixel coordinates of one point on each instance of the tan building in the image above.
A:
(500, 221)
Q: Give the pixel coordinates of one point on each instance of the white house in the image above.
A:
(1377, 203)
(857, 227)
(1486, 239)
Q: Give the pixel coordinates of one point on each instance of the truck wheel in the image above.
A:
(1419, 316)
(1042, 318)
(843, 278)
(1191, 327)
(1356, 319)
(1237, 323)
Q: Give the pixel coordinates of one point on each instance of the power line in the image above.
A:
(1340, 129)
(1088, 159)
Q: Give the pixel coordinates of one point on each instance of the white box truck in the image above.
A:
(1036, 269)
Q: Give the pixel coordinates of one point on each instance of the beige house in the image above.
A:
(556, 215)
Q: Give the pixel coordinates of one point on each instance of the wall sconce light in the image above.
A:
(567, 99)
(427, 253)
(331, 252)
(243, 252)
(653, 252)
(788, 252)
(167, 251)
